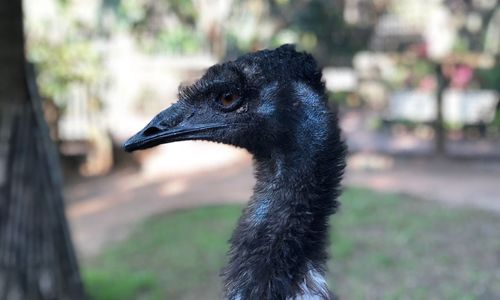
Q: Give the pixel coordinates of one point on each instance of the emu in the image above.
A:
(273, 104)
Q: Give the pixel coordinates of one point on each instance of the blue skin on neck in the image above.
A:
(279, 114)
(283, 233)
(309, 134)
(260, 212)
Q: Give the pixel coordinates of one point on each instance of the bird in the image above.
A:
(273, 104)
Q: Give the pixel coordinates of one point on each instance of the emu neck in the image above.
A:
(278, 250)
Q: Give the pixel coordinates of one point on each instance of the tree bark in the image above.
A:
(439, 129)
(37, 259)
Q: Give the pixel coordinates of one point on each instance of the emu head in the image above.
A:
(265, 102)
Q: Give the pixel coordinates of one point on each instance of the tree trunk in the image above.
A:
(439, 129)
(37, 259)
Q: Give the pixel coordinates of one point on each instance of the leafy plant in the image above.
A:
(63, 63)
(489, 78)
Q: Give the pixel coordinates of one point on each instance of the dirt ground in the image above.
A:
(105, 210)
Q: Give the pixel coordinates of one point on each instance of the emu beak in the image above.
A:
(171, 125)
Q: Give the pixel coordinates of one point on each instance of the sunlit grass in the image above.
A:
(383, 247)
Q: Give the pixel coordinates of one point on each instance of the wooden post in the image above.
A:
(439, 128)
(37, 259)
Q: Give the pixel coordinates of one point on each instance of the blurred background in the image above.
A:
(416, 84)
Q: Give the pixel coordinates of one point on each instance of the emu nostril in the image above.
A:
(151, 131)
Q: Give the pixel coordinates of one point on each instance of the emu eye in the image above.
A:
(228, 99)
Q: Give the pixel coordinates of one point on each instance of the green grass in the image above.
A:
(383, 247)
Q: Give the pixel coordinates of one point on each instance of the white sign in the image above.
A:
(459, 107)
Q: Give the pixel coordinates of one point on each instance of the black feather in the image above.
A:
(280, 115)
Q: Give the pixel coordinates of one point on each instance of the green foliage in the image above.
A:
(339, 97)
(489, 78)
(176, 40)
(318, 23)
(159, 26)
(410, 74)
(383, 247)
(144, 17)
(174, 26)
(63, 63)
(495, 124)
(185, 10)
(315, 26)
(461, 45)
(129, 13)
